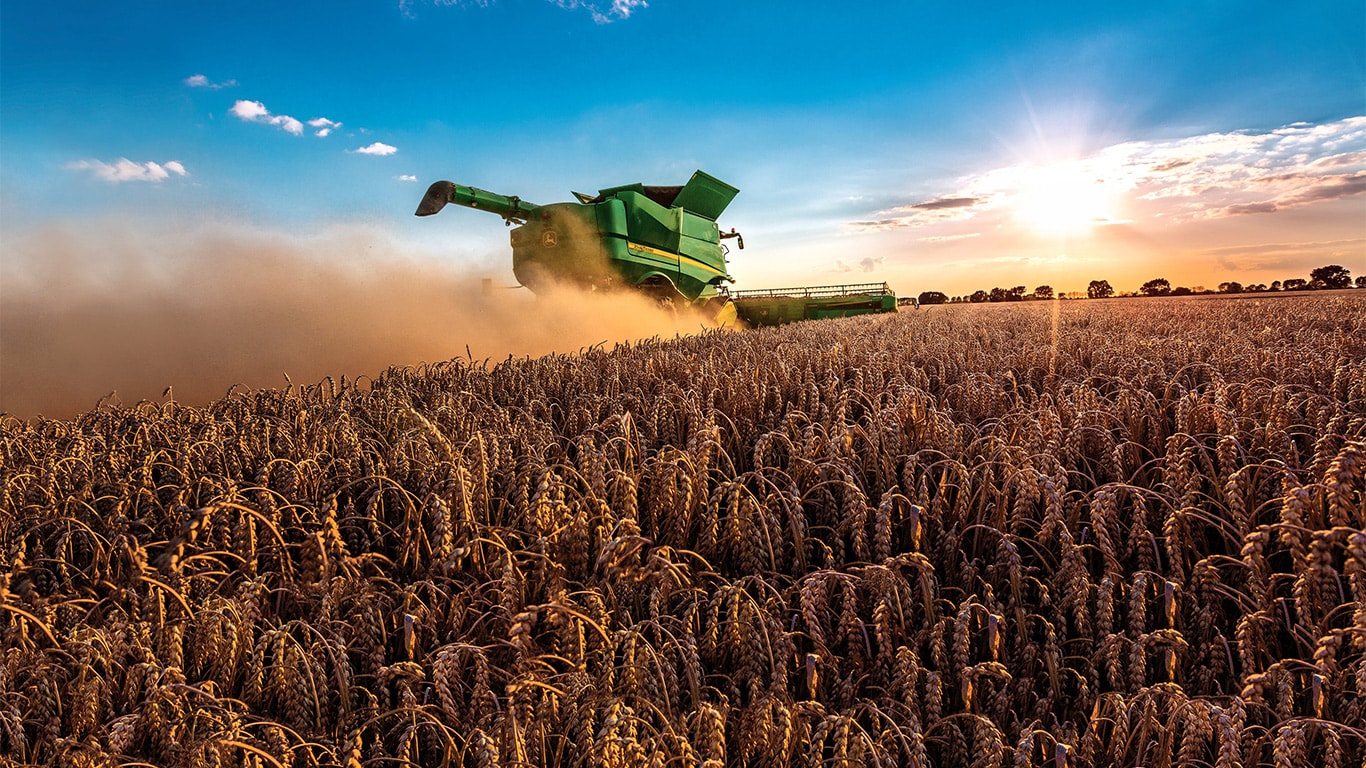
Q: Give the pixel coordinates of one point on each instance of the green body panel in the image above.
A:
(650, 223)
(790, 305)
(705, 195)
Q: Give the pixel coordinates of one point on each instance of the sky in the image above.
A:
(937, 146)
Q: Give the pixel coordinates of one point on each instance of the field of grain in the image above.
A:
(1064, 534)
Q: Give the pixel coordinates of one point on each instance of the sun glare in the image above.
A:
(1064, 199)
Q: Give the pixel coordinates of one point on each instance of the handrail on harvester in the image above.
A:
(817, 292)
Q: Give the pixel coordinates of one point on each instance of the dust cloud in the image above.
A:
(106, 309)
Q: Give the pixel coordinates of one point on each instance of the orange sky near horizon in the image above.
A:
(1246, 207)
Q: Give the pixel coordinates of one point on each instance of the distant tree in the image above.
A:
(978, 297)
(1294, 284)
(1332, 276)
(1231, 287)
(1361, 281)
(1017, 293)
(1046, 292)
(933, 297)
(1182, 291)
(998, 294)
(1099, 289)
(1158, 286)
(1275, 285)
(1256, 288)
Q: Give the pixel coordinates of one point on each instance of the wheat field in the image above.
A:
(1100, 533)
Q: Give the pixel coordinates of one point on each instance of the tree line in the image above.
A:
(1332, 276)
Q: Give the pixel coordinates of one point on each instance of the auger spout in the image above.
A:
(511, 208)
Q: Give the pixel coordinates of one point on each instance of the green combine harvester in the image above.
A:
(663, 241)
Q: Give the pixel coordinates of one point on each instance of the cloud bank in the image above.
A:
(1209, 176)
(123, 169)
(601, 12)
(256, 112)
(323, 126)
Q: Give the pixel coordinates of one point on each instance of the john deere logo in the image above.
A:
(549, 239)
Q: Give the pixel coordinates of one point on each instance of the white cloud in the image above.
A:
(378, 148)
(624, 8)
(201, 81)
(249, 110)
(288, 124)
(323, 126)
(1231, 174)
(602, 11)
(256, 112)
(124, 169)
(406, 177)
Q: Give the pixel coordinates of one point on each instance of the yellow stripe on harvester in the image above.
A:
(651, 251)
(701, 264)
(679, 256)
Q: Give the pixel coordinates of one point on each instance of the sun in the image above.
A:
(1062, 199)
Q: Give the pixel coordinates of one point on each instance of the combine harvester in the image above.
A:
(663, 241)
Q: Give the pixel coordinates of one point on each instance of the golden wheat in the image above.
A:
(1086, 533)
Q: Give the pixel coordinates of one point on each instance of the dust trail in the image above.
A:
(105, 308)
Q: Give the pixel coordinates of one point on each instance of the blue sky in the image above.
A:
(930, 144)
